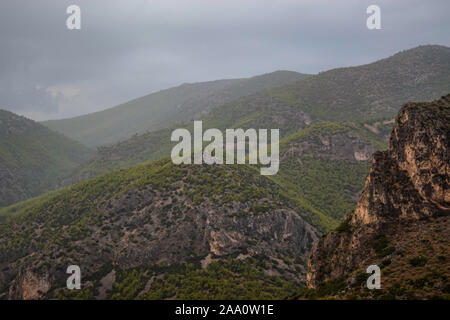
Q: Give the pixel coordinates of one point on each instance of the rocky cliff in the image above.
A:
(401, 220)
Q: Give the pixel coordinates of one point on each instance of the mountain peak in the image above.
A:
(406, 192)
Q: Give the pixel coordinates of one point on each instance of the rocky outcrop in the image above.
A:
(406, 184)
(29, 286)
(420, 146)
(339, 145)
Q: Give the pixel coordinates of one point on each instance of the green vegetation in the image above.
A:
(418, 261)
(325, 127)
(325, 290)
(381, 87)
(324, 189)
(329, 186)
(380, 246)
(62, 225)
(344, 226)
(227, 279)
(33, 158)
(163, 109)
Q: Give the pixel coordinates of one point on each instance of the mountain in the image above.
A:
(323, 166)
(164, 108)
(166, 228)
(158, 231)
(161, 231)
(368, 96)
(33, 158)
(401, 222)
(372, 92)
(327, 183)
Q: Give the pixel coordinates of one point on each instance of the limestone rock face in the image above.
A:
(30, 286)
(339, 145)
(420, 146)
(407, 183)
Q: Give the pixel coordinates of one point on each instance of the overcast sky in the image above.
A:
(126, 49)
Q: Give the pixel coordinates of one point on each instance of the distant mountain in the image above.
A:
(33, 158)
(401, 222)
(372, 92)
(164, 108)
(368, 96)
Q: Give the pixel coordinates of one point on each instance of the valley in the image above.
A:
(353, 187)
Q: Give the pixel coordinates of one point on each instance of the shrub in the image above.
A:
(418, 261)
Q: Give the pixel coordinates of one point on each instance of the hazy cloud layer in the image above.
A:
(127, 49)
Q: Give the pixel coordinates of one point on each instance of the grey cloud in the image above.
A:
(130, 48)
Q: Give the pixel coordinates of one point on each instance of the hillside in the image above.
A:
(340, 174)
(164, 108)
(323, 166)
(373, 92)
(150, 228)
(33, 158)
(160, 226)
(401, 222)
(160, 231)
(368, 96)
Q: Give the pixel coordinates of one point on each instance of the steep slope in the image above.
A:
(242, 113)
(401, 222)
(33, 158)
(372, 92)
(323, 166)
(163, 109)
(155, 226)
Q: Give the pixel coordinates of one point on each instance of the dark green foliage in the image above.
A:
(344, 226)
(83, 294)
(326, 289)
(385, 263)
(128, 284)
(380, 243)
(227, 279)
(418, 261)
(33, 158)
(328, 185)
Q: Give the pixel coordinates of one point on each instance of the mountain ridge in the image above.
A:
(406, 197)
(281, 107)
(163, 108)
